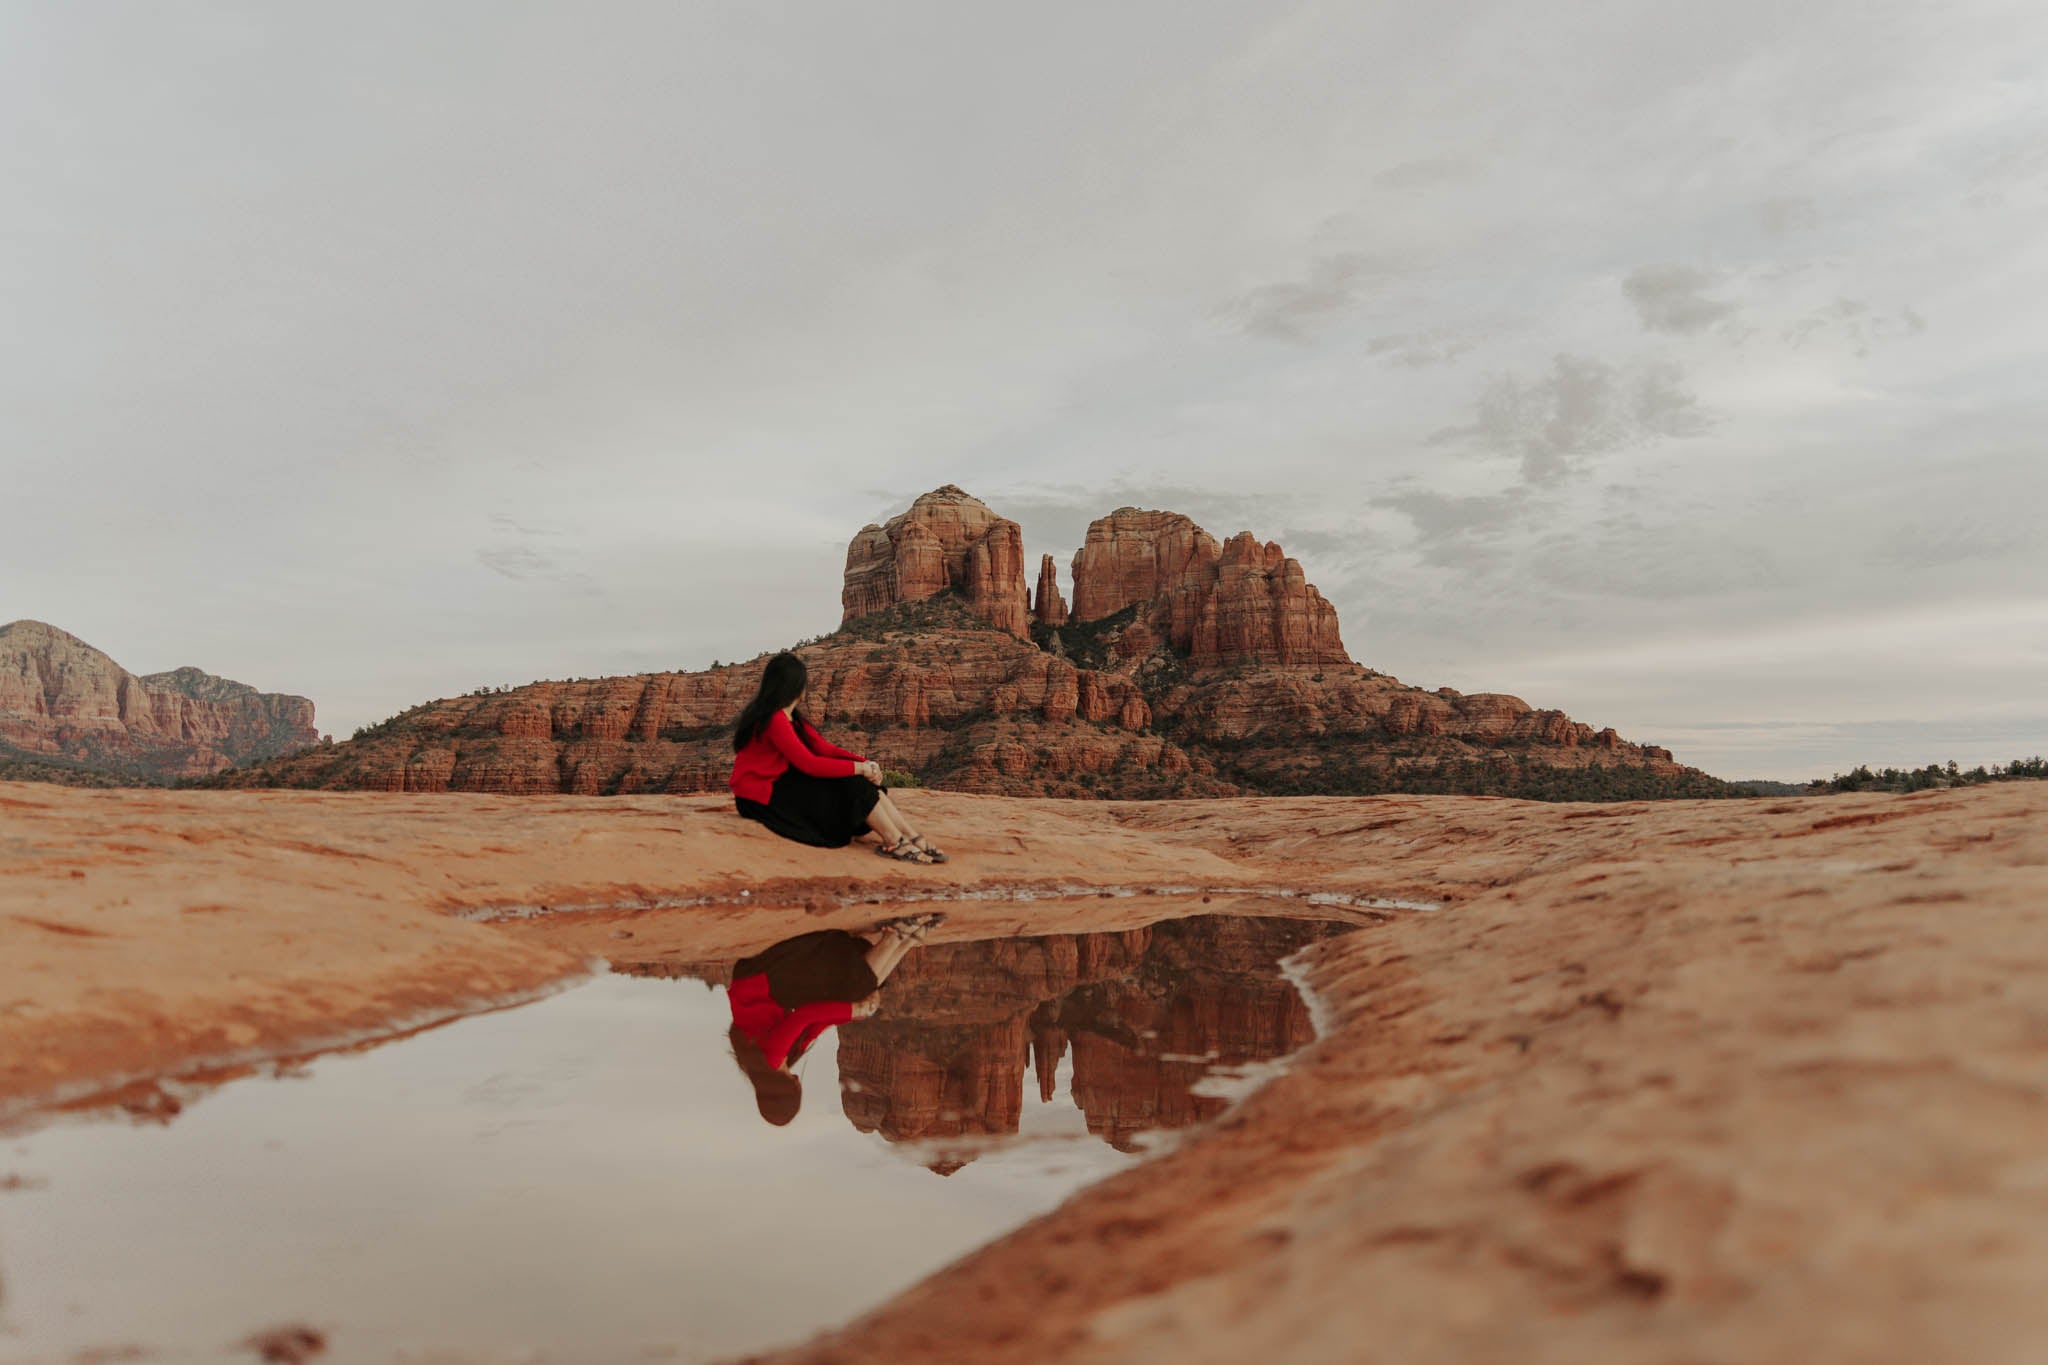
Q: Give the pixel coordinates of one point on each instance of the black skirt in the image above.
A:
(826, 812)
(826, 964)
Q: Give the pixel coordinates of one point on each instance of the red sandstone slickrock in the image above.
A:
(63, 701)
(1661, 1082)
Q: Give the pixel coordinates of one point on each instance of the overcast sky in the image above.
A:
(1677, 365)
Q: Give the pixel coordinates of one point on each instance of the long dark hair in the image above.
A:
(777, 1094)
(782, 682)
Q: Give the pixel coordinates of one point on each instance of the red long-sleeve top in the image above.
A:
(775, 1030)
(777, 749)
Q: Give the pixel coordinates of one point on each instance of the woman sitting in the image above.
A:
(788, 777)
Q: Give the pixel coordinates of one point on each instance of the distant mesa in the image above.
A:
(1185, 666)
(69, 713)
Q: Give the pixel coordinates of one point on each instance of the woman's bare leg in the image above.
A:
(894, 813)
(884, 957)
(885, 821)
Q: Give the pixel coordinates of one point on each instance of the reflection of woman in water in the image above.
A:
(783, 997)
(788, 777)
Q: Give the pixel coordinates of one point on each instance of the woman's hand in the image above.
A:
(865, 1008)
(872, 771)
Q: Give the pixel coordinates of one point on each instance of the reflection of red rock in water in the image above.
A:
(1145, 1014)
(932, 1082)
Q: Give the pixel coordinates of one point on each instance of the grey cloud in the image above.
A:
(1960, 541)
(1462, 531)
(1672, 298)
(1787, 214)
(1291, 310)
(1417, 350)
(1651, 560)
(1055, 518)
(517, 562)
(2019, 168)
(1426, 171)
(523, 556)
(1855, 324)
(1580, 409)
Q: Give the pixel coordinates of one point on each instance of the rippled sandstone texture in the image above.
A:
(71, 711)
(1757, 1081)
(1187, 668)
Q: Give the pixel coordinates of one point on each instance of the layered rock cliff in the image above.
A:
(1241, 602)
(65, 707)
(1187, 667)
(947, 540)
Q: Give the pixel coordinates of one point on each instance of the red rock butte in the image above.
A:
(947, 540)
(1238, 603)
(1186, 667)
(1241, 602)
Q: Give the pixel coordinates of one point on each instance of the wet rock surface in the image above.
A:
(1670, 1081)
(389, 1198)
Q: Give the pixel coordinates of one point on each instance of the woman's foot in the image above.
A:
(905, 851)
(931, 850)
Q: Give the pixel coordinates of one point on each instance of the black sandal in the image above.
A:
(931, 850)
(904, 851)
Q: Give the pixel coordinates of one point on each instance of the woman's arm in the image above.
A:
(776, 1046)
(822, 745)
(783, 736)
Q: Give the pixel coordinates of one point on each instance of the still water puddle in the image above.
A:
(588, 1179)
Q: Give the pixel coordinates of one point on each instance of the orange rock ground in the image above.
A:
(1689, 1081)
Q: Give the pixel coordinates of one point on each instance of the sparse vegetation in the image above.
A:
(1085, 643)
(16, 766)
(947, 611)
(1933, 776)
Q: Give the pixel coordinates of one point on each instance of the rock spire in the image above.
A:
(1050, 609)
